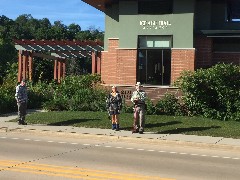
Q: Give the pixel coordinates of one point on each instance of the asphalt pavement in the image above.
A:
(122, 135)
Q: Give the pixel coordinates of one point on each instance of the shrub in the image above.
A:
(77, 93)
(212, 93)
(169, 105)
(150, 107)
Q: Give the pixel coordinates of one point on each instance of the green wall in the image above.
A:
(123, 22)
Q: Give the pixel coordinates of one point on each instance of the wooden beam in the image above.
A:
(35, 54)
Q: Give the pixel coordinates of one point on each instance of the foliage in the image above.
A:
(127, 108)
(27, 27)
(77, 93)
(213, 92)
(150, 107)
(7, 91)
(7, 57)
(169, 105)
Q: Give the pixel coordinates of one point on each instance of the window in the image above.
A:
(226, 44)
(233, 11)
(155, 7)
(155, 42)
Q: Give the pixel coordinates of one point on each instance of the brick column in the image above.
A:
(182, 59)
(118, 66)
(127, 66)
(109, 62)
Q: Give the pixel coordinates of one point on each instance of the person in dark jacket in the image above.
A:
(114, 105)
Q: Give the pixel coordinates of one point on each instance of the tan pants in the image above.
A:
(139, 117)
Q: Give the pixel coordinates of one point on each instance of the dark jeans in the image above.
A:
(22, 111)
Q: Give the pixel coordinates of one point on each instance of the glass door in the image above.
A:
(154, 66)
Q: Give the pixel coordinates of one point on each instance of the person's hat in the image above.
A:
(113, 87)
(138, 84)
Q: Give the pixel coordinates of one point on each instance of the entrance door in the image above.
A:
(154, 66)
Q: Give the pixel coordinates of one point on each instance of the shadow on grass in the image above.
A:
(155, 125)
(71, 122)
(182, 130)
(162, 124)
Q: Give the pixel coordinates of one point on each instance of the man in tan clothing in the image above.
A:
(138, 98)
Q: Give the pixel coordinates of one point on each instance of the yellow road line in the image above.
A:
(70, 172)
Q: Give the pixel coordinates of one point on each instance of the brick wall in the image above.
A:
(154, 93)
(109, 62)
(203, 46)
(226, 58)
(126, 66)
(118, 66)
(182, 59)
(205, 57)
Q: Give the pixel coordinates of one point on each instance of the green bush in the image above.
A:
(77, 93)
(150, 107)
(213, 92)
(169, 105)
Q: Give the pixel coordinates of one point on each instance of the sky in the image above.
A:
(66, 11)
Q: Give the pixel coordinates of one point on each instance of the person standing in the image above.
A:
(114, 105)
(138, 99)
(21, 97)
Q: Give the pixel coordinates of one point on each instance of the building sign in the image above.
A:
(155, 24)
(126, 94)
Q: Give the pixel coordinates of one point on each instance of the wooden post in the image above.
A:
(20, 59)
(59, 71)
(99, 62)
(93, 62)
(64, 68)
(24, 65)
(55, 69)
(30, 58)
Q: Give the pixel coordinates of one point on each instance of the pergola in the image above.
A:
(59, 51)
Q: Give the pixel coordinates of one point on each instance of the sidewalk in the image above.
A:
(200, 141)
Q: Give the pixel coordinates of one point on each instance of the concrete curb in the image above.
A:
(126, 136)
(121, 138)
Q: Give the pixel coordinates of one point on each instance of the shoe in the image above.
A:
(141, 131)
(135, 129)
(24, 123)
(117, 127)
(113, 126)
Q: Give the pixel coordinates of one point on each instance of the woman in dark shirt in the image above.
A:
(114, 105)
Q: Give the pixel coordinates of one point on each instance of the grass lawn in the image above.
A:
(154, 123)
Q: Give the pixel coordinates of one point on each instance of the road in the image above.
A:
(42, 157)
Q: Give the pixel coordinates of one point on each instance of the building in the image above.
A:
(153, 41)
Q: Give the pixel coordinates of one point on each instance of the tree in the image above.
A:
(73, 29)
(59, 31)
